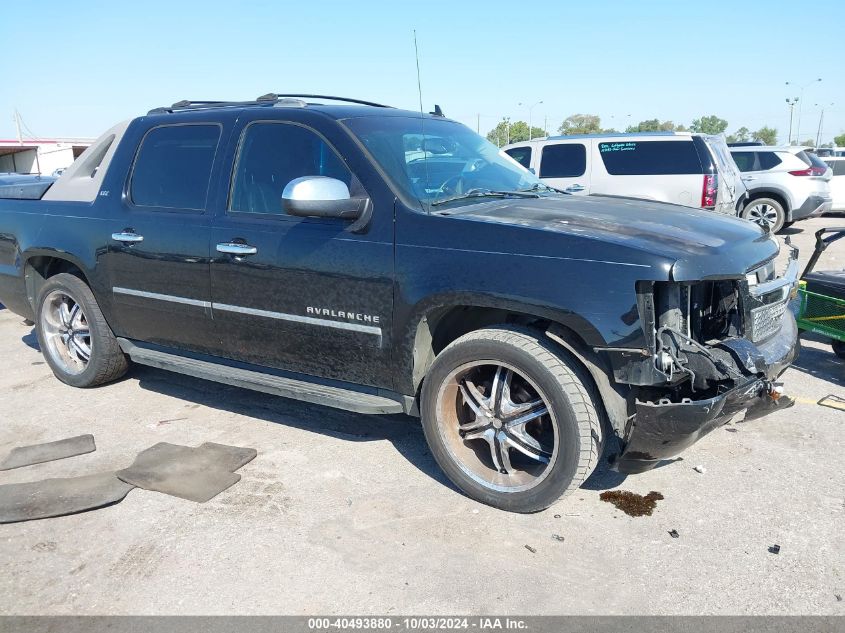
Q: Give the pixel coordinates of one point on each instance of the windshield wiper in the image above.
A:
(486, 193)
(539, 186)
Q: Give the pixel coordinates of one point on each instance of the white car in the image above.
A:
(694, 170)
(837, 182)
(785, 184)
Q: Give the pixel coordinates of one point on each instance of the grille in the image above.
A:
(766, 320)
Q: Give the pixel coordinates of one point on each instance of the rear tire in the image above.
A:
(765, 211)
(838, 348)
(475, 402)
(73, 335)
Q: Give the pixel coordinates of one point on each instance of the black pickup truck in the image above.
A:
(384, 261)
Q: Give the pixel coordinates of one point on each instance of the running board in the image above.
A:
(326, 395)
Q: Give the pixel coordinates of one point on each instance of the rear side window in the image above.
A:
(815, 161)
(522, 155)
(273, 154)
(804, 158)
(563, 161)
(756, 161)
(650, 158)
(744, 160)
(768, 160)
(173, 166)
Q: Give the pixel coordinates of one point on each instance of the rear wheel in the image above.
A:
(838, 348)
(76, 341)
(509, 420)
(765, 212)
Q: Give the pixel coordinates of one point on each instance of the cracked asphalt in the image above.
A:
(348, 514)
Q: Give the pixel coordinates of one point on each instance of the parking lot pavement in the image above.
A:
(347, 513)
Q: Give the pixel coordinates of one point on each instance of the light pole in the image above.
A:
(791, 103)
(801, 95)
(821, 120)
(530, 111)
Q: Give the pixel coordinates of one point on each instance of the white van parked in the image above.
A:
(837, 182)
(694, 170)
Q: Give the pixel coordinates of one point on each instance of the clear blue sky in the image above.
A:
(75, 68)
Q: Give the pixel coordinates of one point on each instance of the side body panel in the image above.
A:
(444, 261)
(683, 189)
(316, 298)
(576, 184)
(20, 225)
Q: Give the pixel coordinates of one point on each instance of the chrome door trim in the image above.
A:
(160, 297)
(281, 316)
(295, 318)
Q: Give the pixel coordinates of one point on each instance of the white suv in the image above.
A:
(785, 184)
(693, 170)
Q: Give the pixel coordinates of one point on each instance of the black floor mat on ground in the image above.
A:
(197, 474)
(38, 453)
(57, 497)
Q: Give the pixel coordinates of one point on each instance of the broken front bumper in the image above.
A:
(664, 429)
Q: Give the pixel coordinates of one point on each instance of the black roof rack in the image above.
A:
(189, 104)
(273, 96)
(269, 99)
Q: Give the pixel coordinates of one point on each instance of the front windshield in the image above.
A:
(441, 162)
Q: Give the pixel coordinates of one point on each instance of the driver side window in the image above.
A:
(273, 154)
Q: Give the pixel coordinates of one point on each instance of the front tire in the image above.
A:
(509, 418)
(765, 212)
(74, 337)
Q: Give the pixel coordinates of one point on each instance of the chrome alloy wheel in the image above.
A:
(66, 333)
(763, 214)
(497, 426)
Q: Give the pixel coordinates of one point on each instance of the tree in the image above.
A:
(839, 141)
(653, 125)
(809, 143)
(500, 135)
(709, 125)
(506, 132)
(519, 132)
(742, 135)
(766, 135)
(581, 124)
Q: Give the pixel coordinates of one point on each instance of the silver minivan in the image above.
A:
(694, 170)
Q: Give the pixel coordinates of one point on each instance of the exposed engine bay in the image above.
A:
(715, 349)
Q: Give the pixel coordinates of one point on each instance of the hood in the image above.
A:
(701, 243)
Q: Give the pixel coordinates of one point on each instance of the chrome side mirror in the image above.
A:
(321, 197)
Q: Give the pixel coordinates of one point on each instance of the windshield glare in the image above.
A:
(434, 160)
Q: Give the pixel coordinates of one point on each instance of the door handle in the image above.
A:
(574, 188)
(234, 248)
(127, 237)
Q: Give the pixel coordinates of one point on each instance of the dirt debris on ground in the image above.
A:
(631, 503)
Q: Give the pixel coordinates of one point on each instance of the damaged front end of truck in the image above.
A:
(714, 348)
